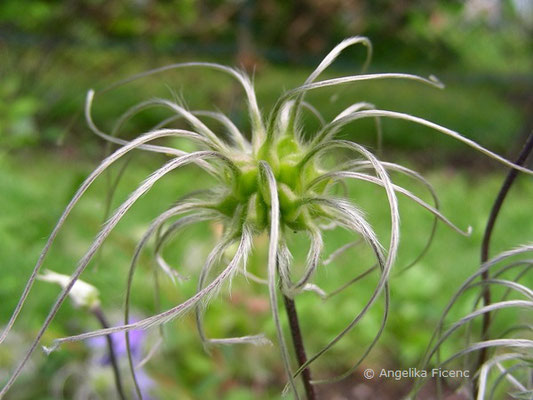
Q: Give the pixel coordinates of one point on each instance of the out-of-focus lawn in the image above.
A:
(36, 185)
(43, 97)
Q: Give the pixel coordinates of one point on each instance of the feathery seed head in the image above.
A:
(249, 194)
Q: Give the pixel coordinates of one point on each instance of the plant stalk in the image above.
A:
(485, 246)
(299, 348)
(99, 314)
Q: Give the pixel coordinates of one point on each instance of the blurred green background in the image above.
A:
(53, 52)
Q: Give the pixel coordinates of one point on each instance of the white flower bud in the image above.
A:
(82, 294)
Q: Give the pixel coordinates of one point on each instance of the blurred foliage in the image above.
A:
(54, 51)
(43, 103)
(450, 30)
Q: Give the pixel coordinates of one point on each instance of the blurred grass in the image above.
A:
(36, 186)
(43, 95)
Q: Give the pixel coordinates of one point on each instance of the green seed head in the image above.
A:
(250, 195)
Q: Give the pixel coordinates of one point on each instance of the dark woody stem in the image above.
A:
(496, 207)
(99, 314)
(299, 348)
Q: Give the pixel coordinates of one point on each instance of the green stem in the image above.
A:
(299, 348)
(496, 207)
(99, 314)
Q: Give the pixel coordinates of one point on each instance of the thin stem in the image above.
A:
(485, 246)
(99, 314)
(299, 348)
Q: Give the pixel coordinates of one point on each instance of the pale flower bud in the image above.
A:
(82, 294)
